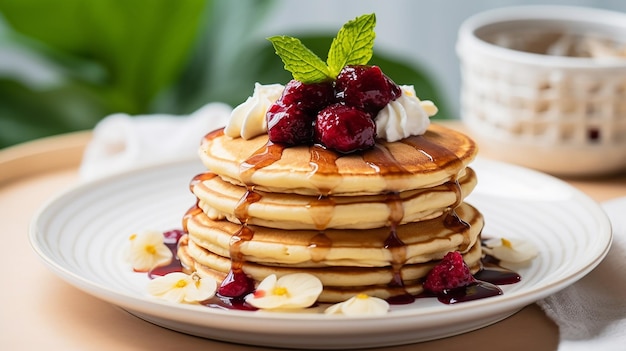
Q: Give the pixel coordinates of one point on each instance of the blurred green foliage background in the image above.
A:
(64, 65)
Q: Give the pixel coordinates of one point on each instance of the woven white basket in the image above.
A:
(559, 114)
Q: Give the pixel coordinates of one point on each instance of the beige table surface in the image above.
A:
(39, 311)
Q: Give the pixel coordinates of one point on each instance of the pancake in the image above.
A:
(431, 159)
(417, 242)
(340, 283)
(346, 267)
(223, 200)
(372, 222)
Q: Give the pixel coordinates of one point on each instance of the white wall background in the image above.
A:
(418, 31)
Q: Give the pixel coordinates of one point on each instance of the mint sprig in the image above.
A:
(303, 64)
(353, 45)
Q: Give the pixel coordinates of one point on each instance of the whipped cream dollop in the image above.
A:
(401, 118)
(405, 116)
(248, 119)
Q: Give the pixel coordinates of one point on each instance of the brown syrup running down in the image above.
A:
(263, 157)
(191, 212)
(237, 283)
(440, 155)
(443, 158)
(195, 209)
(241, 209)
(453, 221)
(321, 210)
(199, 178)
(214, 134)
(382, 161)
(398, 251)
(323, 163)
(319, 246)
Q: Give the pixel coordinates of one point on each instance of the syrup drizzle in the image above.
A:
(319, 246)
(321, 211)
(438, 154)
(382, 161)
(195, 209)
(261, 158)
(398, 250)
(237, 283)
(323, 162)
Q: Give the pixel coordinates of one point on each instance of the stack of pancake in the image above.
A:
(372, 222)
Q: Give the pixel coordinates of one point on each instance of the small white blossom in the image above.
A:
(147, 250)
(291, 291)
(510, 250)
(360, 305)
(181, 287)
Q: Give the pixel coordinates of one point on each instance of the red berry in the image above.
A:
(450, 273)
(344, 128)
(365, 87)
(288, 124)
(308, 97)
(235, 284)
(172, 236)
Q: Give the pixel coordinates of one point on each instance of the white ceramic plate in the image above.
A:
(80, 235)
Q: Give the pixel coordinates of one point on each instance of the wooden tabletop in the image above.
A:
(40, 311)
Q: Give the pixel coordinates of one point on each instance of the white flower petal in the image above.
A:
(147, 250)
(180, 287)
(360, 305)
(176, 295)
(510, 250)
(268, 283)
(299, 290)
(200, 289)
(301, 284)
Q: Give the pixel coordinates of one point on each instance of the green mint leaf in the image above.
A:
(303, 64)
(354, 44)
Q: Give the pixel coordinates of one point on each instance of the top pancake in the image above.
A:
(412, 163)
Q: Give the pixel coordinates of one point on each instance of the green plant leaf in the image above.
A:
(353, 45)
(303, 64)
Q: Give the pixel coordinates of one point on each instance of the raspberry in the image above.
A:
(289, 124)
(344, 128)
(365, 87)
(450, 273)
(235, 284)
(173, 236)
(308, 97)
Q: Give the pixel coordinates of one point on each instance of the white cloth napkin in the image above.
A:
(591, 313)
(121, 142)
